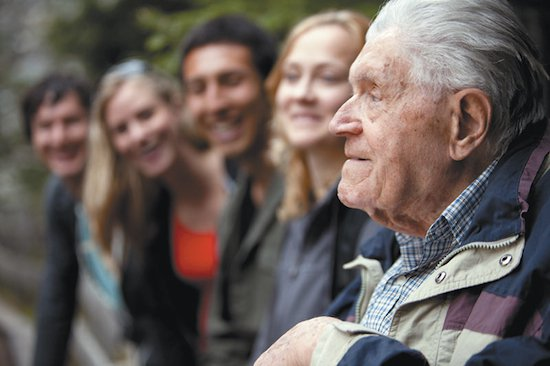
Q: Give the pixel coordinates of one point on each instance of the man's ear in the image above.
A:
(471, 109)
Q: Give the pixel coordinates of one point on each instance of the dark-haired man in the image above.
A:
(56, 122)
(223, 66)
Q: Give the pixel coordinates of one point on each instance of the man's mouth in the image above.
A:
(226, 131)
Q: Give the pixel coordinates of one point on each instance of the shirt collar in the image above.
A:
(447, 232)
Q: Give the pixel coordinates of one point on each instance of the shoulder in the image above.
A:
(58, 198)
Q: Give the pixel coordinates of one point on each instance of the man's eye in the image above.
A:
(231, 80)
(72, 120)
(43, 126)
(195, 88)
(374, 95)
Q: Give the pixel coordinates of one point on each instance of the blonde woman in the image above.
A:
(153, 192)
(307, 86)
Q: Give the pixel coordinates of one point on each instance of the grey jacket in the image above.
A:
(249, 241)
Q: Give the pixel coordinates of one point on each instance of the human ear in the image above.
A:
(471, 109)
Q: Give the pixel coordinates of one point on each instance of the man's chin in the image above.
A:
(347, 195)
(66, 171)
(234, 151)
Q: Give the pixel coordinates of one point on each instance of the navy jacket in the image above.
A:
(507, 316)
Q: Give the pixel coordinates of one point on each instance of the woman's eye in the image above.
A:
(331, 78)
(120, 129)
(291, 76)
(145, 114)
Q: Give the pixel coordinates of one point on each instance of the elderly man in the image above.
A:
(447, 145)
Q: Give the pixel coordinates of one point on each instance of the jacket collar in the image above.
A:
(501, 212)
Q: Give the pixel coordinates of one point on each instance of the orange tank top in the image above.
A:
(195, 253)
(196, 259)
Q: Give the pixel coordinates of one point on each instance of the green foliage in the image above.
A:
(101, 33)
(32, 177)
(167, 30)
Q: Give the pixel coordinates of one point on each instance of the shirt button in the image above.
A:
(505, 260)
(440, 277)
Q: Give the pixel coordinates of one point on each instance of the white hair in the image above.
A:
(457, 44)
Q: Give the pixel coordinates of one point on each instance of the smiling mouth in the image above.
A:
(222, 127)
(148, 149)
(227, 130)
(65, 154)
(304, 118)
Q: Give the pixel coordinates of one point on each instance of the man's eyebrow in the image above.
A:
(369, 76)
(360, 76)
(360, 71)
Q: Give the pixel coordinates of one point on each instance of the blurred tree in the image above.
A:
(99, 33)
(535, 15)
(167, 30)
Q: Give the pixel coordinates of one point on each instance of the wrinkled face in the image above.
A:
(143, 128)
(396, 141)
(314, 85)
(59, 133)
(224, 93)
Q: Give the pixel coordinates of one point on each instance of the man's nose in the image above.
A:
(344, 122)
(216, 99)
(59, 134)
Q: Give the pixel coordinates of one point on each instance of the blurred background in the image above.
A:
(87, 36)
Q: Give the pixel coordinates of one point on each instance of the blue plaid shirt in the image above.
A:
(419, 256)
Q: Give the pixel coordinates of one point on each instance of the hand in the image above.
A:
(296, 346)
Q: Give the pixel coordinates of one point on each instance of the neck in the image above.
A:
(260, 172)
(324, 167)
(193, 176)
(74, 185)
(255, 160)
(458, 178)
(197, 185)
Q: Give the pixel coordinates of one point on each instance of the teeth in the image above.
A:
(223, 126)
(148, 148)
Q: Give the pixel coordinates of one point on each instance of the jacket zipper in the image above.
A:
(477, 245)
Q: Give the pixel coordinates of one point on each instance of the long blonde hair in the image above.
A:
(116, 196)
(298, 195)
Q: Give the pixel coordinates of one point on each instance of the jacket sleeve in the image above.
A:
(521, 350)
(57, 294)
(350, 344)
